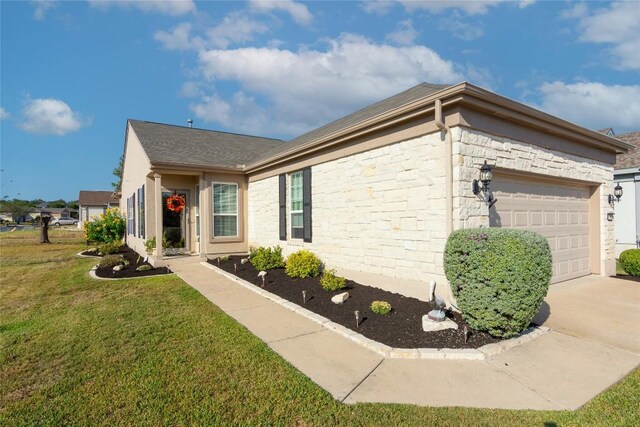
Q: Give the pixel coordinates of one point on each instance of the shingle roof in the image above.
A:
(197, 147)
(417, 92)
(632, 158)
(96, 198)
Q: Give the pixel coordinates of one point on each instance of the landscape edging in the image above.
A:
(382, 349)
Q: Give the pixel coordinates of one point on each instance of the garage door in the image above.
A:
(558, 212)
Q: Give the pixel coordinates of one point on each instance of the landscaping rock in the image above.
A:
(118, 267)
(429, 325)
(144, 267)
(340, 298)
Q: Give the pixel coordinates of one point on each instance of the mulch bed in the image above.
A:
(626, 277)
(128, 271)
(402, 328)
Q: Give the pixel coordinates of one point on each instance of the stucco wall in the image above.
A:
(381, 211)
(471, 148)
(134, 175)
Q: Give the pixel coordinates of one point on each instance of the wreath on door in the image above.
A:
(175, 203)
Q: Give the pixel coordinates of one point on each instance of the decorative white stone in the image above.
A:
(429, 325)
(118, 267)
(340, 298)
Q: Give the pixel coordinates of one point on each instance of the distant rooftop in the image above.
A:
(632, 158)
(96, 198)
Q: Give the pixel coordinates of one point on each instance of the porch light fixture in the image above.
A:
(617, 194)
(485, 178)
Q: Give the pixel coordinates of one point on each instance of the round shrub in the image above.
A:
(264, 259)
(108, 228)
(330, 282)
(302, 264)
(630, 261)
(381, 307)
(499, 277)
(109, 261)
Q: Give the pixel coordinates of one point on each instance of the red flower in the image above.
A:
(175, 203)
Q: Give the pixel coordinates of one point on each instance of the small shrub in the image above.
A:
(630, 261)
(110, 248)
(150, 244)
(109, 261)
(144, 267)
(303, 263)
(106, 229)
(264, 259)
(330, 282)
(381, 307)
(499, 277)
(225, 258)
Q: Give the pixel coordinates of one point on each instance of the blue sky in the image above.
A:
(72, 73)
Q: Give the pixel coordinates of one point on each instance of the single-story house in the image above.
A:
(55, 213)
(627, 210)
(376, 193)
(92, 204)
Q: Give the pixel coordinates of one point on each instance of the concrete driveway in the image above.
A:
(594, 342)
(601, 309)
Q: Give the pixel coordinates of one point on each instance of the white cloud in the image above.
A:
(289, 92)
(298, 11)
(41, 7)
(462, 30)
(617, 26)
(235, 28)
(4, 114)
(163, 7)
(470, 7)
(593, 105)
(50, 116)
(404, 35)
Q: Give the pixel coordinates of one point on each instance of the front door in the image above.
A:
(175, 224)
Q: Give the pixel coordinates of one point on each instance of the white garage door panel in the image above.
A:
(561, 214)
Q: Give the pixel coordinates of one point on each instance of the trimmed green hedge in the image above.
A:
(264, 259)
(499, 276)
(630, 261)
(303, 263)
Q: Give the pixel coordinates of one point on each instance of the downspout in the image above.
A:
(448, 165)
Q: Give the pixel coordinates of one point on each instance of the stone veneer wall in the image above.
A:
(381, 211)
(471, 148)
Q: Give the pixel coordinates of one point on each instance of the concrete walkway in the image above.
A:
(585, 353)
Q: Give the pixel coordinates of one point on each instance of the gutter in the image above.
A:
(448, 165)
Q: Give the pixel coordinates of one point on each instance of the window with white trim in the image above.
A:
(297, 222)
(225, 209)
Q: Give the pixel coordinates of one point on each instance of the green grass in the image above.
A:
(78, 351)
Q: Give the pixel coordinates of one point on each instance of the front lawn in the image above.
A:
(78, 351)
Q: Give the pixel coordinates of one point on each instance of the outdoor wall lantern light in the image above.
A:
(617, 194)
(485, 178)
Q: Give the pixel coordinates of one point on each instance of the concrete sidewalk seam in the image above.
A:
(525, 385)
(294, 337)
(363, 380)
(597, 342)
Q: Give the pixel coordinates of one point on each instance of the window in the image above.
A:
(297, 223)
(225, 210)
(141, 212)
(197, 213)
(131, 218)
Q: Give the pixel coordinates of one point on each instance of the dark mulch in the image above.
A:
(128, 271)
(402, 328)
(626, 277)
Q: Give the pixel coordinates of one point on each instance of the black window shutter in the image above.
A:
(133, 205)
(306, 204)
(282, 197)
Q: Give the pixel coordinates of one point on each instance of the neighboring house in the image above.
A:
(92, 204)
(55, 213)
(376, 193)
(627, 210)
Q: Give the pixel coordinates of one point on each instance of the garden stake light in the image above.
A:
(262, 274)
(357, 313)
(304, 297)
(235, 267)
(465, 330)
